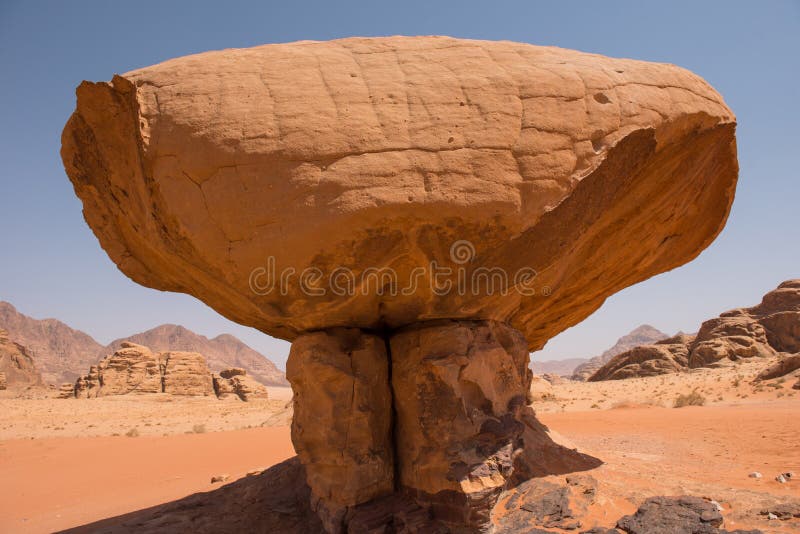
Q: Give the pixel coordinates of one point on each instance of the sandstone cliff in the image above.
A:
(222, 352)
(61, 353)
(17, 367)
(770, 328)
(642, 335)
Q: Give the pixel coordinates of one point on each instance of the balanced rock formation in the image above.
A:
(16, 364)
(235, 382)
(641, 335)
(415, 214)
(765, 330)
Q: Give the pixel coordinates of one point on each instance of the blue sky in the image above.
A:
(52, 266)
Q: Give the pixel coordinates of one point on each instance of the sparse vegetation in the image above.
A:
(692, 399)
(132, 433)
(199, 429)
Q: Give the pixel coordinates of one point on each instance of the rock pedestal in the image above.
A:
(437, 417)
(342, 423)
(458, 390)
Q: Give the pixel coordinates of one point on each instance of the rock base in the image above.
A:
(435, 414)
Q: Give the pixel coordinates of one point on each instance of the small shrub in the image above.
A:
(199, 429)
(132, 433)
(595, 405)
(692, 399)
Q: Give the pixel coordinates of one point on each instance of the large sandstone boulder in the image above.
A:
(641, 335)
(771, 327)
(384, 152)
(235, 382)
(17, 367)
(186, 373)
(647, 360)
(132, 369)
(416, 214)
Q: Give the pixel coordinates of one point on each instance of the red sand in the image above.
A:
(57, 483)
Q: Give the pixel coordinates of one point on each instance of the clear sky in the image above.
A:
(52, 266)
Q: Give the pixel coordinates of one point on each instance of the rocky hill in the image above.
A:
(768, 329)
(62, 354)
(642, 335)
(556, 367)
(222, 352)
(17, 367)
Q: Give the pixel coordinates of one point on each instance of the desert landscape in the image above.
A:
(727, 434)
(279, 269)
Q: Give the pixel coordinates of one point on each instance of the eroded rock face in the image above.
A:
(132, 369)
(459, 389)
(342, 425)
(771, 327)
(236, 382)
(186, 373)
(647, 360)
(16, 364)
(383, 152)
(135, 369)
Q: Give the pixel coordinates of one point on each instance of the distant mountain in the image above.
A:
(643, 335)
(222, 352)
(62, 354)
(557, 367)
(17, 367)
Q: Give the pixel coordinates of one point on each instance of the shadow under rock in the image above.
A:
(274, 502)
(278, 500)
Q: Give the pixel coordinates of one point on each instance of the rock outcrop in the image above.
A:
(642, 335)
(222, 352)
(677, 515)
(783, 367)
(435, 208)
(16, 364)
(61, 353)
(765, 330)
(647, 360)
(235, 382)
(3, 382)
(342, 425)
(135, 369)
(186, 373)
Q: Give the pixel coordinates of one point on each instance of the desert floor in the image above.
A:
(64, 463)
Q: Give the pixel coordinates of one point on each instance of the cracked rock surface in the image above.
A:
(382, 153)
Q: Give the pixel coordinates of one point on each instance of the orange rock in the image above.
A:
(17, 366)
(459, 390)
(342, 421)
(316, 191)
(186, 373)
(365, 153)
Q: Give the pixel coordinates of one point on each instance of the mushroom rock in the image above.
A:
(415, 214)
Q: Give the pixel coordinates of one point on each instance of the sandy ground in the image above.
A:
(143, 415)
(62, 464)
(55, 483)
(705, 451)
(726, 386)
